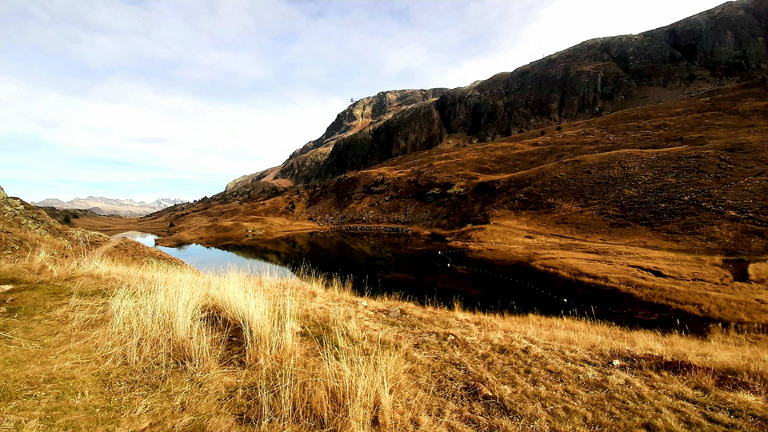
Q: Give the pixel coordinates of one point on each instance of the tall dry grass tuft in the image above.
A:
(342, 383)
(298, 365)
(177, 316)
(154, 323)
(359, 381)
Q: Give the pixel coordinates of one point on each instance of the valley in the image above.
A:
(578, 244)
(653, 202)
(102, 334)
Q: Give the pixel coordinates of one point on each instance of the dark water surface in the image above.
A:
(428, 271)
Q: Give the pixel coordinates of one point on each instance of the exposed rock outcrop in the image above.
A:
(2, 193)
(368, 111)
(305, 164)
(411, 130)
(249, 179)
(723, 40)
(603, 74)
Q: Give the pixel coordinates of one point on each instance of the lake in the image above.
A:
(211, 259)
(428, 271)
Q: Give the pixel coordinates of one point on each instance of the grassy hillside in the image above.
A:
(94, 341)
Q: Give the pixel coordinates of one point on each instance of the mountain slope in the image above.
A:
(664, 202)
(596, 77)
(686, 170)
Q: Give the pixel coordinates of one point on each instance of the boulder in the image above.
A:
(394, 313)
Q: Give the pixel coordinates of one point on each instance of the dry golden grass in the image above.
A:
(162, 347)
(697, 284)
(283, 364)
(210, 324)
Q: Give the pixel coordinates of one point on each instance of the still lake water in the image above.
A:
(211, 259)
(427, 271)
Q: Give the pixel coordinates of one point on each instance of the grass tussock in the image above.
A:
(298, 366)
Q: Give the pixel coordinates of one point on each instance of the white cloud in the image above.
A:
(206, 139)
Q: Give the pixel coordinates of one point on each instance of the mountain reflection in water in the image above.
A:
(428, 271)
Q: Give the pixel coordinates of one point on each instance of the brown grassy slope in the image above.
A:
(89, 344)
(25, 228)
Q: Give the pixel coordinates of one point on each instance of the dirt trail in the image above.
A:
(99, 252)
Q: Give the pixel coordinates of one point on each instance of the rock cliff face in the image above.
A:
(724, 44)
(600, 75)
(305, 163)
(726, 39)
(418, 128)
(370, 110)
(2, 193)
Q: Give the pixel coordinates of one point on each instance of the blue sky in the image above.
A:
(150, 99)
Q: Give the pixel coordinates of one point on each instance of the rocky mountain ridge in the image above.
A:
(111, 206)
(360, 115)
(596, 77)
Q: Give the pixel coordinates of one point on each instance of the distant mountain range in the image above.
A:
(110, 206)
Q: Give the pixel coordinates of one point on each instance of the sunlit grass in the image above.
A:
(189, 350)
(298, 365)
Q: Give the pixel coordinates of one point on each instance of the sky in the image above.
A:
(146, 99)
